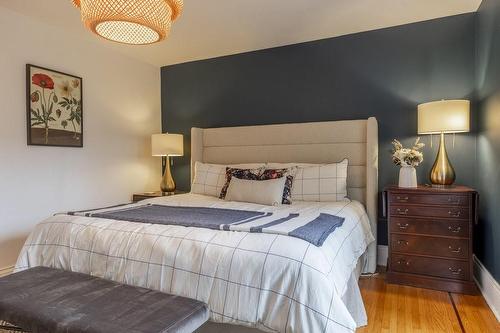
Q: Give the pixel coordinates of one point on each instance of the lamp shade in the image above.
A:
(167, 145)
(447, 116)
(136, 22)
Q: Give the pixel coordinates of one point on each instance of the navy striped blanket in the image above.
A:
(313, 228)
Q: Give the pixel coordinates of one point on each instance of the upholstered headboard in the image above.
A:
(318, 142)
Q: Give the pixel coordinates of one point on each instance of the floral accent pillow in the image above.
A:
(289, 173)
(259, 174)
(248, 174)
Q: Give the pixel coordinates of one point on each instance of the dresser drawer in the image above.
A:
(444, 268)
(451, 228)
(429, 199)
(429, 211)
(433, 246)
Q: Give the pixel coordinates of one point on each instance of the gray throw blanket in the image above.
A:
(313, 229)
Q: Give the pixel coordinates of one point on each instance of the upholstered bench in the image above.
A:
(46, 300)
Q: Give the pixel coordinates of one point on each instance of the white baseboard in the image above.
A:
(382, 255)
(489, 287)
(6, 270)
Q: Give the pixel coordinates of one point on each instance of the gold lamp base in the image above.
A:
(442, 173)
(167, 184)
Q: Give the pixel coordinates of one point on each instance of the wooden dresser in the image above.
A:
(430, 237)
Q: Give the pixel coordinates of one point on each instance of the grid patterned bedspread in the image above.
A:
(272, 282)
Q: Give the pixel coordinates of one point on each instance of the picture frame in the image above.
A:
(54, 108)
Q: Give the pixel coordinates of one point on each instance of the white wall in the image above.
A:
(121, 111)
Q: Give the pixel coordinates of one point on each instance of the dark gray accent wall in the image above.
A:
(488, 144)
(383, 73)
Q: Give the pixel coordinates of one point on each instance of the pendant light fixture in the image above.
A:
(135, 22)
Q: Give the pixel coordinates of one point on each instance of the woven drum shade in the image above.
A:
(130, 21)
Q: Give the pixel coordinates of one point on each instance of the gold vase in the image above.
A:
(442, 173)
(167, 184)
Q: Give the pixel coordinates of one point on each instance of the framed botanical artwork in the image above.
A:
(54, 102)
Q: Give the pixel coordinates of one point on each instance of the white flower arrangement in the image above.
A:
(409, 157)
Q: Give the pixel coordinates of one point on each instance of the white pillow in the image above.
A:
(318, 182)
(210, 178)
(264, 192)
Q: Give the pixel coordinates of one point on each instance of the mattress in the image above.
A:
(270, 282)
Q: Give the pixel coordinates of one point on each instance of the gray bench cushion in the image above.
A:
(54, 301)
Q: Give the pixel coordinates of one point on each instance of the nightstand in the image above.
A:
(431, 237)
(136, 197)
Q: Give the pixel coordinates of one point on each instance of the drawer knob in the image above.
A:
(457, 250)
(455, 230)
(402, 226)
(402, 198)
(403, 262)
(454, 214)
(455, 271)
(402, 242)
(402, 211)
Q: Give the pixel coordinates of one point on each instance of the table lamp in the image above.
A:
(443, 117)
(166, 145)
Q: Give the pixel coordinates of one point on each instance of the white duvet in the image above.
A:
(267, 281)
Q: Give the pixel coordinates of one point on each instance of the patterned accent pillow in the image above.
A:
(210, 178)
(259, 174)
(248, 174)
(321, 183)
(289, 173)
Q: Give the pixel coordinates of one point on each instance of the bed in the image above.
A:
(257, 281)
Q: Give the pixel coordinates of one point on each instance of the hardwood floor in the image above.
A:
(475, 314)
(401, 309)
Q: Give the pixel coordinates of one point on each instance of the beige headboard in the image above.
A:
(318, 142)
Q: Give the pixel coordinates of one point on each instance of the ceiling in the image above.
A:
(208, 29)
